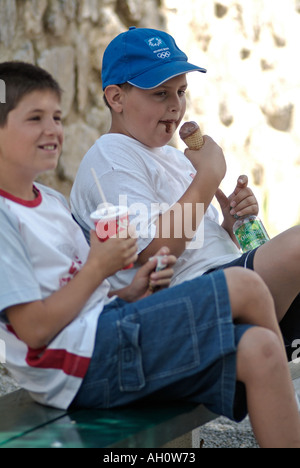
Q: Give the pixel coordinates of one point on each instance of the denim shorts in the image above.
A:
(179, 343)
(244, 261)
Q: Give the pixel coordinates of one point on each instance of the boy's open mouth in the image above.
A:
(169, 125)
(48, 147)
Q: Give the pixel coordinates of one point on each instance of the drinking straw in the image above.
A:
(99, 186)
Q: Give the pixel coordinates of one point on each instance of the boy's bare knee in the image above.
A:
(292, 244)
(247, 289)
(259, 342)
(259, 354)
(287, 243)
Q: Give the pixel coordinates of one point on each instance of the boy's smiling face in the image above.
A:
(31, 141)
(151, 116)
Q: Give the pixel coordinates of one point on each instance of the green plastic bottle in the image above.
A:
(250, 233)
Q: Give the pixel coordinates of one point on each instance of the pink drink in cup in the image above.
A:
(110, 220)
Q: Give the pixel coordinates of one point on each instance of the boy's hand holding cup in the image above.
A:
(111, 221)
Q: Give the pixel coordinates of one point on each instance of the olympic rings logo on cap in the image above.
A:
(164, 55)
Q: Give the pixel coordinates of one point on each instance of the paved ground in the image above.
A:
(220, 433)
(7, 385)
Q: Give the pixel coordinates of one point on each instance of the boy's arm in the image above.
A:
(38, 322)
(210, 165)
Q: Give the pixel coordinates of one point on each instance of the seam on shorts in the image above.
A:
(246, 259)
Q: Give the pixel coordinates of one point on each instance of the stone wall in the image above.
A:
(249, 101)
(68, 37)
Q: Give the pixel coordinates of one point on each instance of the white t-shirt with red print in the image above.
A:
(149, 181)
(42, 248)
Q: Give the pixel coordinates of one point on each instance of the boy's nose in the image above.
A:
(50, 127)
(174, 104)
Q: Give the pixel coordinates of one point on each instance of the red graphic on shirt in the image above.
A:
(43, 358)
(69, 363)
(73, 270)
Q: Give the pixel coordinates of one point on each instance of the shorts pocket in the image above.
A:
(131, 374)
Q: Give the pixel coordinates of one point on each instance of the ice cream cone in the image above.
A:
(191, 134)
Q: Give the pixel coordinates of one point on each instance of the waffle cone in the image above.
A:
(195, 140)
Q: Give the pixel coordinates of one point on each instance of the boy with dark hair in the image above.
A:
(31, 79)
(69, 344)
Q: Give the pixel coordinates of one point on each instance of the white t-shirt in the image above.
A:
(149, 181)
(42, 248)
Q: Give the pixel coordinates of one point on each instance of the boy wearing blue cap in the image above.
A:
(144, 81)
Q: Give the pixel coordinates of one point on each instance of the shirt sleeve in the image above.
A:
(18, 283)
(132, 188)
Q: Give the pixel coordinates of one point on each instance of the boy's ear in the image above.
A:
(114, 96)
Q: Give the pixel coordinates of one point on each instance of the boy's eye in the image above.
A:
(37, 118)
(181, 93)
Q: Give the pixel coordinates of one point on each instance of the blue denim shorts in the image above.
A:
(244, 261)
(177, 344)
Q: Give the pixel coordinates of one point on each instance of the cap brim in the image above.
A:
(159, 75)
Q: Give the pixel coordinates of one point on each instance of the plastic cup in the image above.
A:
(109, 221)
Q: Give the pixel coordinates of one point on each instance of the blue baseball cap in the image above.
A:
(145, 58)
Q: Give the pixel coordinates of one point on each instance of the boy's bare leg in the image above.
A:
(273, 411)
(278, 264)
(261, 363)
(251, 301)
